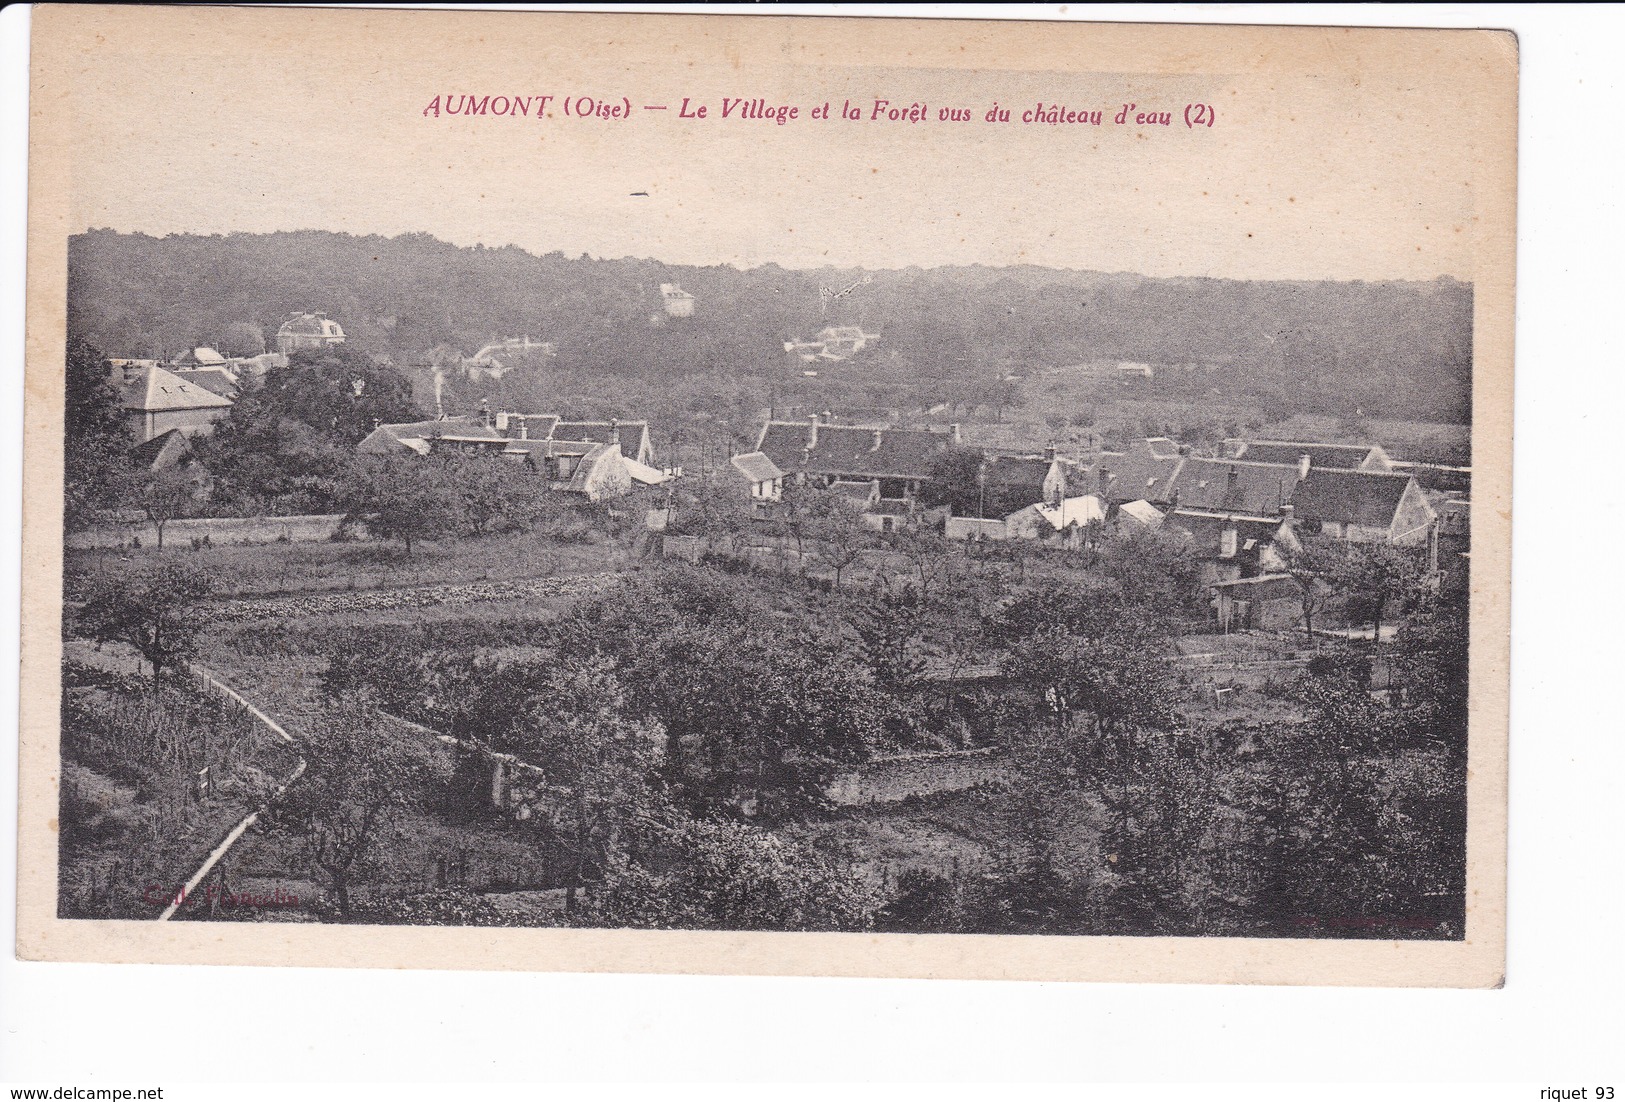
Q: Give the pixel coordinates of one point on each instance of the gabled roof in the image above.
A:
(1074, 510)
(153, 389)
(632, 433)
(1160, 446)
(1334, 456)
(1367, 498)
(315, 325)
(1234, 486)
(757, 467)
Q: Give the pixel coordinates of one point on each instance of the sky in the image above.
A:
(1332, 154)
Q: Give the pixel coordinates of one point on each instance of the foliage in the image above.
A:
(361, 775)
(952, 335)
(154, 609)
(96, 437)
(404, 498)
(731, 876)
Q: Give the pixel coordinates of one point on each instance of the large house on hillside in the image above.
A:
(305, 331)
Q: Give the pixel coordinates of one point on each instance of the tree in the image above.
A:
(96, 436)
(600, 763)
(494, 492)
(339, 391)
(1316, 566)
(171, 493)
(403, 497)
(956, 481)
(1373, 575)
(836, 523)
(362, 776)
(153, 609)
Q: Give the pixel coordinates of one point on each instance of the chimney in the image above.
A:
(485, 412)
(1234, 477)
(1049, 452)
(524, 429)
(876, 445)
(614, 430)
(1303, 466)
(1286, 512)
(812, 432)
(953, 432)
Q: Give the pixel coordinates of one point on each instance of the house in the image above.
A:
(678, 302)
(1234, 546)
(1268, 602)
(1066, 520)
(1134, 372)
(202, 356)
(1364, 506)
(902, 461)
(156, 400)
(762, 476)
(1347, 457)
(595, 471)
(306, 331)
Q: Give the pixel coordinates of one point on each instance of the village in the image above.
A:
(578, 659)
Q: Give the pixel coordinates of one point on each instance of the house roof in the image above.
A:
(642, 472)
(538, 426)
(600, 453)
(1137, 476)
(1367, 498)
(1074, 510)
(847, 450)
(151, 389)
(216, 380)
(164, 450)
(757, 467)
(414, 435)
(1334, 456)
(1233, 486)
(631, 432)
(1142, 511)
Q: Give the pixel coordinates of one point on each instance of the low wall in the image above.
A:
(890, 780)
(222, 530)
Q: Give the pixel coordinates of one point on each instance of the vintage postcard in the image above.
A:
(758, 494)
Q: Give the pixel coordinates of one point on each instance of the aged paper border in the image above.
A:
(61, 46)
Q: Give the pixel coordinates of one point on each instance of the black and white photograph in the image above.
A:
(711, 474)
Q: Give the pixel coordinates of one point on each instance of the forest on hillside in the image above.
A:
(1388, 349)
